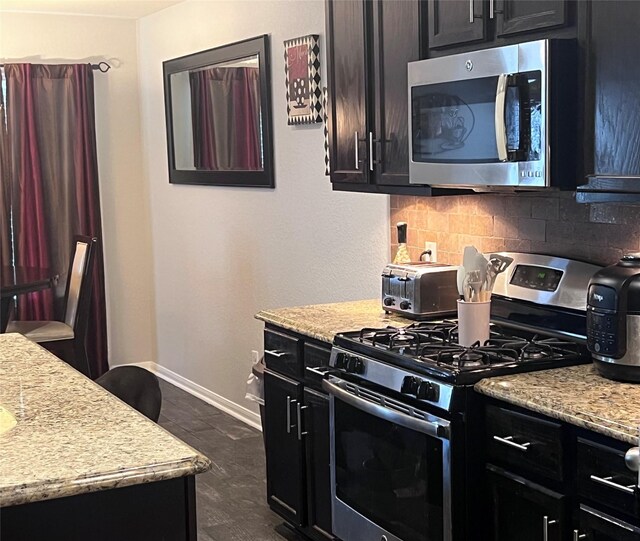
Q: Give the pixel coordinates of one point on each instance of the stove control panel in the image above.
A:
(363, 368)
(350, 363)
(421, 389)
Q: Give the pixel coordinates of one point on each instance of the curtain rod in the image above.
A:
(104, 67)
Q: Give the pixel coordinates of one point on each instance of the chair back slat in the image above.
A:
(76, 277)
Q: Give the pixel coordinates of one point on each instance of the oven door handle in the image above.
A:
(437, 429)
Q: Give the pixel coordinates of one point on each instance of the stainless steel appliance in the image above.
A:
(404, 423)
(613, 319)
(419, 290)
(497, 118)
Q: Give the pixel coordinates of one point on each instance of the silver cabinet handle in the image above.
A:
(299, 409)
(501, 128)
(508, 440)
(289, 402)
(577, 535)
(607, 481)
(632, 459)
(357, 142)
(491, 9)
(545, 527)
(275, 353)
(470, 11)
(318, 371)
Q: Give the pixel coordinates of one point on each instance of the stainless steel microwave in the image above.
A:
(501, 118)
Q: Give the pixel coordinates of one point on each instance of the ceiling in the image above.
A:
(129, 9)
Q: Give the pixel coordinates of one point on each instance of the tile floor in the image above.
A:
(231, 497)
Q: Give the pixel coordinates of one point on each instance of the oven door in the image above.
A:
(390, 468)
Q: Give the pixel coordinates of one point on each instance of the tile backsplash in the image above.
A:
(552, 224)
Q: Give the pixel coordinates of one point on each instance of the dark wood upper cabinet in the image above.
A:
(516, 16)
(616, 85)
(396, 40)
(369, 43)
(454, 22)
(463, 25)
(347, 53)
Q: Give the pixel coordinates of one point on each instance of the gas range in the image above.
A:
(431, 348)
(404, 419)
(538, 322)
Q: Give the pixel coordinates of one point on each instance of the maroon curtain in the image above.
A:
(6, 243)
(51, 127)
(226, 118)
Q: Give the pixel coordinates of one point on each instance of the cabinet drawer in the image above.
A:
(604, 478)
(525, 443)
(282, 353)
(316, 356)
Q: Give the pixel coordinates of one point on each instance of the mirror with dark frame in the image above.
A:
(218, 116)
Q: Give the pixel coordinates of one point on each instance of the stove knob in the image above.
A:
(410, 385)
(405, 305)
(355, 365)
(389, 301)
(427, 391)
(341, 360)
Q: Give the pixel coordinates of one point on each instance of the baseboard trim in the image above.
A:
(235, 410)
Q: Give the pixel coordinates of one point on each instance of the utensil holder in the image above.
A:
(473, 322)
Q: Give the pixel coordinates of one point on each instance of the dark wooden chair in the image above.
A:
(135, 386)
(67, 338)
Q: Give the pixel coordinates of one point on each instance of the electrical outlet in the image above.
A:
(255, 356)
(434, 251)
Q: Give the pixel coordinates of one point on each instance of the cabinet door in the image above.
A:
(455, 22)
(283, 447)
(614, 49)
(597, 526)
(523, 510)
(515, 16)
(347, 90)
(316, 426)
(396, 41)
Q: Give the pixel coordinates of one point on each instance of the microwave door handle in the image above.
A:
(501, 128)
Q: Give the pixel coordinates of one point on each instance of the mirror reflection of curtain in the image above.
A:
(226, 118)
(55, 192)
(6, 248)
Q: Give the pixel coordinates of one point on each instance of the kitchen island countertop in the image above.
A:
(324, 321)
(577, 395)
(71, 436)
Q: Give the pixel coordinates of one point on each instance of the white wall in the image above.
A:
(223, 254)
(47, 38)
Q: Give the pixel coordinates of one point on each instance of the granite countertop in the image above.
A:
(577, 395)
(71, 436)
(324, 321)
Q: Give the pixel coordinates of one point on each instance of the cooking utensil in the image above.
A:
(472, 286)
(460, 281)
(469, 258)
(497, 264)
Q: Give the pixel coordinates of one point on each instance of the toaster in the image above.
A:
(419, 290)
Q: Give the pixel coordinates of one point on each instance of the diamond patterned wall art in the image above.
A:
(302, 79)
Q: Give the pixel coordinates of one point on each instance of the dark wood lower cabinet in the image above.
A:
(523, 510)
(296, 429)
(316, 426)
(598, 526)
(162, 511)
(285, 494)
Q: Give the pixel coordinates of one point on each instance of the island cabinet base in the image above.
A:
(160, 511)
